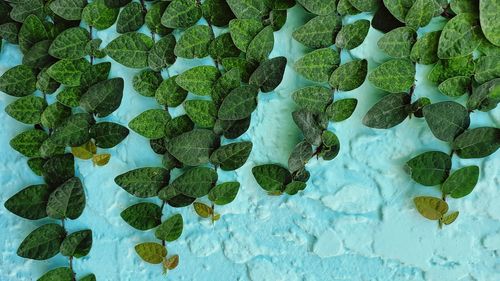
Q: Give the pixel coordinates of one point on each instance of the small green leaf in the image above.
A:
(58, 274)
(70, 44)
(488, 15)
(151, 123)
(319, 32)
(349, 76)
(460, 37)
(445, 69)
(108, 134)
(98, 15)
(224, 193)
(231, 156)
(352, 35)
(485, 97)
(30, 203)
(430, 207)
(42, 243)
(147, 82)
(487, 68)
(103, 98)
(318, 65)
(461, 182)
(142, 216)
(391, 110)
(446, 119)
(229, 81)
(143, 182)
(243, 31)
(239, 103)
(68, 72)
(18, 81)
(449, 219)
(27, 110)
(169, 93)
(67, 201)
(194, 42)
(477, 143)
(131, 18)
(294, 187)
(193, 148)
(331, 145)
(398, 42)
(269, 74)
(394, 76)
(202, 210)
(151, 252)
(77, 244)
(28, 142)
(199, 80)
(429, 168)
(261, 46)
(202, 112)
(162, 53)
(424, 51)
(455, 86)
(181, 14)
(313, 98)
(272, 177)
(300, 155)
(341, 110)
(130, 49)
(196, 182)
(307, 123)
(171, 229)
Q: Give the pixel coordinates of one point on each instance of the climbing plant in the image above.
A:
(63, 95)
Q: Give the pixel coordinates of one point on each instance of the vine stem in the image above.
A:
(91, 29)
(161, 211)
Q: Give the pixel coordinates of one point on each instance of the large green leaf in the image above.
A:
(313, 98)
(488, 15)
(461, 182)
(162, 53)
(147, 82)
(171, 229)
(103, 98)
(308, 124)
(98, 15)
(399, 8)
(349, 76)
(28, 142)
(202, 112)
(27, 109)
(318, 65)
(131, 18)
(142, 216)
(239, 103)
(30, 203)
(421, 13)
(394, 76)
(69, 72)
(261, 46)
(388, 112)
(143, 182)
(446, 119)
(169, 93)
(151, 123)
(199, 80)
(398, 42)
(108, 134)
(77, 244)
(22, 10)
(352, 35)
(130, 49)
(181, 14)
(193, 148)
(487, 68)
(231, 156)
(194, 42)
(272, 177)
(424, 51)
(445, 69)
(224, 193)
(269, 74)
(18, 81)
(460, 37)
(319, 32)
(477, 143)
(74, 131)
(70, 44)
(223, 47)
(42, 243)
(38, 55)
(68, 9)
(67, 201)
(429, 168)
(32, 31)
(196, 182)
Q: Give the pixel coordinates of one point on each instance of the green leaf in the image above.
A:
(461, 182)
(67, 201)
(9, 31)
(444, 69)
(143, 182)
(272, 177)
(430, 207)
(224, 193)
(243, 31)
(465, 6)
(142, 216)
(38, 55)
(32, 31)
(319, 32)
(388, 112)
(383, 20)
(352, 35)
(36, 165)
(299, 157)
(98, 15)
(341, 110)
(30, 203)
(199, 80)
(247, 9)
(194, 42)
(223, 47)
(70, 44)
(488, 15)
(130, 49)
(229, 81)
(181, 14)
(95, 74)
(307, 123)
(245, 67)
(42, 243)
(487, 68)
(93, 48)
(151, 252)
(18, 81)
(169, 93)
(23, 9)
(365, 5)
(58, 274)
(202, 112)
(147, 82)
(203, 210)
(70, 96)
(421, 13)
(68, 9)
(179, 125)
(232, 129)
(398, 42)
(131, 18)
(27, 110)
(153, 18)
(77, 244)
(89, 277)
(455, 86)
(46, 84)
(269, 74)
(460, 37)
(103, 98)
(485, 97)
(319, 7)
(28, 142)
(318, 65)
(399, 8)
(54, 115)
(217, 12)
(239, 103)
(424, 51)
(429, 168)
(162, 54)
(58, 169)
(196, 182)
(394, 76)
(171, 229)
(68, 72)
(313, 98)
(349, 76)
(193, 148)
(446, 119)
(108, 134)
(151, 123)
(294, 187)
(231, 156)
(477, 143)
(261, 46)
(331, 145)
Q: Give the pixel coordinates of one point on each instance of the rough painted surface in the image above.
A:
(355, 221)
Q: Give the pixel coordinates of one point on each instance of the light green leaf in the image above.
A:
(342, 109)
(199, 80)
(202, 112)
(151, 123)
(488, 15)
(424, 51)
(28, 142)
(421, 13)
(68, 72)
(319, 7)
(98, 15)
(319, 32)
(70, 44)
(243, 31)
(318, 65)
(460, 37)
(398, 42)
(194, 42)
(313, 98)
(461, 182)
(394, 76)
(68, 9)
(398, 8)
(171, 229)
(487, 68)
(143, 182)
(352, 35)
(18, 81)
(261, 46)
(455, 86)
(224, 193)
(181, 14)
(130, 49)
(239, 103)
(147, 82)
(349, 76)
(27, 110)
(169, 93)
(103, 98)
(131, 18)
(247, 9)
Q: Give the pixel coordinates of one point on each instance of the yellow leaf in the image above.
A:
(101, 159)
(449, 219)
(171, 263)
(216, 217)
(151, 252)
(202, 210)
(431, 207)
(84, 151)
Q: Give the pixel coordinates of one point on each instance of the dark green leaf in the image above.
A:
(67, 201)
(181, 14)
(383, 20)
(194, 42)
(169, 93)
(130, 49)
(77, 244)
(243, 31)
(224, 193)
(247, 9)
(196, 182)
(68, 9)
(147, 82)
(231, 156)
(352, 35)
(217, 12)
(143, 182)
(18, 81)
(58, 169)
(429, 168)
(162, 53)
(32, 31)
(488, 14)
(365, 5)
(199, 80)
(193, 148)
(398, 42)
(24, 9)
(202, 112)
(300, 155)
(269, 74)
(9, 31)
(485, 97)
(27, 109)
(229, 81)
(108, 134)
(42, 243)
(307, 123)
(70, 44)
(171, 229)
(318, 65)
(319, 32)
(349, 76)
(487, 68)
(341, 110)
(477, 143)
(54, 114)
(30, 203)
(461, 182)
(313, 98)
(319, 7)
(103, 98)
(294, 187)
(153, 18)
(223, 47)
(68, 72)
(74, 131)
(142, 216)
(239, 103)
(98, 15)
(131, 18)
(388, 112)
(399, 8)
(38, 55)
(179, 125)
(58, 274)
(261, 46)
(460, 37)
(272, 177)
(446, 119)
(421, 13)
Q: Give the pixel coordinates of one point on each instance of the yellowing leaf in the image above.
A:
(84, 151)
(101, 159)
(431, 207)
(171, 262)
(202, 210)
(449, 219)
(151, 252)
